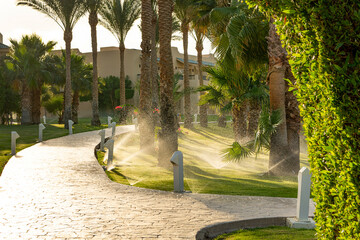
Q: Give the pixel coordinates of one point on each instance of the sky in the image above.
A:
(16, 21)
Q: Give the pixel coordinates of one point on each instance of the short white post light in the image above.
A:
(41, 128)
(302, 219)
(135, 121)
(109, 121)
(70, 127)
(14, 136)
(196, 117)
(44, 119)
(102, 135)
(113, 126)
(177, 162)
(110, 146)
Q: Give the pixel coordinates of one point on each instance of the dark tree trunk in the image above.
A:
(93, 21)
(253, 118)
(187, 105)
(25, 104)
(222, 121)
(122, 73)
(203, 108)
(68, 89)
(154, 71)
(168, 140)
(75, 106)
(146, 126)
(36, 106)
(239, 122)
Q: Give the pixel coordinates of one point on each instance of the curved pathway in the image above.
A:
(57, 190)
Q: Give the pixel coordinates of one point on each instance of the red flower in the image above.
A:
(118, 107)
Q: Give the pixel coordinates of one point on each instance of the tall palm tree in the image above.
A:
(168, 140)
(185, 11)
(199, 36)
(284, 146)
(154, 61)
(118, 17)
(27, 60)
(65, 13)
(146, 126)
(93, 6)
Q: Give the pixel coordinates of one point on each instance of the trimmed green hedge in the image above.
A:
(322, 38)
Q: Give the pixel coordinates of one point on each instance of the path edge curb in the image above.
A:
(211, 231)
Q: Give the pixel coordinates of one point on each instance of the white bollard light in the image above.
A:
(14, 136)
(44, 119)
(196, 117)
(41, 128)
(113, 129)
(102, 135)
(302, 219)
(109, 121)
(110, 146)
(177, 162)
(136, 124)
(70, 127)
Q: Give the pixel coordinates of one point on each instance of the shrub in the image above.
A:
(322, 39)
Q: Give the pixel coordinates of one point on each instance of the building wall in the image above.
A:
(109, 64)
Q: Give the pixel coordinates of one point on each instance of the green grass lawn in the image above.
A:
(271, 233)
(29, 135)
(204, 170)
(211, 118)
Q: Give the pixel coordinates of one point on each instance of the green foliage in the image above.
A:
(270, 233)
(268, 122)
(9, 98)
(54, 105)
(322, 40)
(109, 92)
(118, 16)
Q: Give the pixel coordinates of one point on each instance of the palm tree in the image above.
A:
(93, 6)
(146, 126)
(185, 11)
(284, 147)
(199, 36)
(27, 61)
(65, 13)
(118, 17)
(81, 81)
(168, 140)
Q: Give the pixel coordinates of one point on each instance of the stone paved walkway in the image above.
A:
(57, 190)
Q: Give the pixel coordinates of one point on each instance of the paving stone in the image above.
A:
(57, 190)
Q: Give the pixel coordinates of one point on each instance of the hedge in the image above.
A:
(322, 38)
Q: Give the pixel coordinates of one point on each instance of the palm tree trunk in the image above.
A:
(36, 106)
(75, 106)
(239, 122)
(154, 71)
(67, 101)
(93, 21)
(146, 126)
(168, 139)
(187, 105)
(279, 143)
(25, 104)
(122, 73)
(203, 108)
(253, 118)
(293, 121)
(222, 120)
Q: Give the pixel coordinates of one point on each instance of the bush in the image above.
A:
(322, 39)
